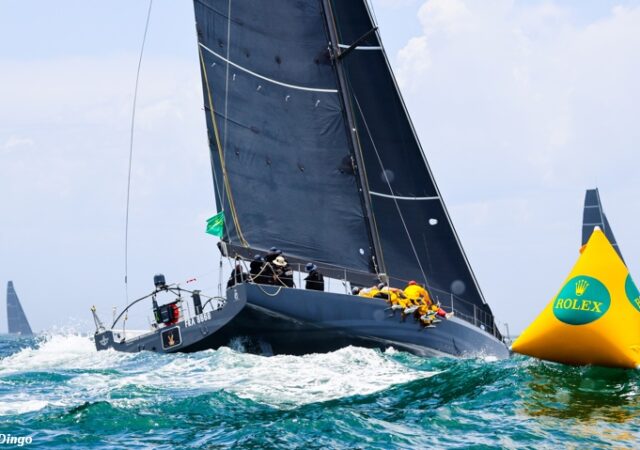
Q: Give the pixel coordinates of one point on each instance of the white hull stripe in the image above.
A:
(270, 80)
(397, 197)
(360, 47)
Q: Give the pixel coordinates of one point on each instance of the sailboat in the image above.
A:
(16, 318)
(594, 216)
(595, 317)
(313, 152)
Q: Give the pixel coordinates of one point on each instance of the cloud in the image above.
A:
(13, 143)
(520, 106)
(393, 4)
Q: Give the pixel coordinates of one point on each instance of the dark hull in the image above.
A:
(184, 337)
(294, 321)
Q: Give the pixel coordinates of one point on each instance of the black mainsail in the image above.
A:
(16, 318)
(281, 156)
(594, 216)
(313, 150)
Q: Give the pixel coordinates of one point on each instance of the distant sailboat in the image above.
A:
(16, 318)
(594, 216)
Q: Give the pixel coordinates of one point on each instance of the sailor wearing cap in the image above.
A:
(283, 272)
(315, 280)
(274, 252)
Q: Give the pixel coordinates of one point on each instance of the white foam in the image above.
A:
(280, 381)
(70, 351)
(10, 406)
(283, 381)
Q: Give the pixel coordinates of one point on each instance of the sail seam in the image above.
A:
(362, 47)
(399, 197)
(271, 80)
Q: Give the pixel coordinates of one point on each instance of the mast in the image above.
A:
(359, 165)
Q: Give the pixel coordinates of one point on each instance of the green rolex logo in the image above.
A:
(582, 300)
(632, 292)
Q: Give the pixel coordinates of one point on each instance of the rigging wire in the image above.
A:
(133, 121)
(373, 12)
(386, 178)
(223, 167)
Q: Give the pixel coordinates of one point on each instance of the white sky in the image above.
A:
(520, 106)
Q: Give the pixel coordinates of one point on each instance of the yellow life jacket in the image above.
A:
(395, 295)
(369, 293)
(417, 292)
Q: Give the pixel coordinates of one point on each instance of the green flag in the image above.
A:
(215, 225)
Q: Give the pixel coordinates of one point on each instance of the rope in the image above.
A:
(267, 293)
(133, 121)
(223, 166)
(395, 201)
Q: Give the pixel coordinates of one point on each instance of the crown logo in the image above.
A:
(581, 287)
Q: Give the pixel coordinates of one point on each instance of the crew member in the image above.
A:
(417, 293)
(370, 292)
(393, 296)
(272, 255)
(238, 276)
(257, 270)
(315, 280)
(283, 273)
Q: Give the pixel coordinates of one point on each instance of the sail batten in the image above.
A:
(262, 77)
(16, 318)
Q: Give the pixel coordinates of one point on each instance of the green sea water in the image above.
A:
(63, 394)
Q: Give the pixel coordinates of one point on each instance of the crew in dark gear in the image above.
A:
(258, 270)
(237, 276)
(272, 255)
(315, 280)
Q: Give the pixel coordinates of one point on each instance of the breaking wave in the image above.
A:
(62, 392)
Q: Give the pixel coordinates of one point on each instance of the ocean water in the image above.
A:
(61, 393)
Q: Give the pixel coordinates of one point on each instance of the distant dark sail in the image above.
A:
(312, 147)
(417, 235)
(16, 318)
(279, 132)
(594, 216)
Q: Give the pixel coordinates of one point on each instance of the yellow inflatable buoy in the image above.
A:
(594, 319)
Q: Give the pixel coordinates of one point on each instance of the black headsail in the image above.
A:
(281, 152)
(594, 216)
(313, 150)
(418, 238)
(16, 318)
